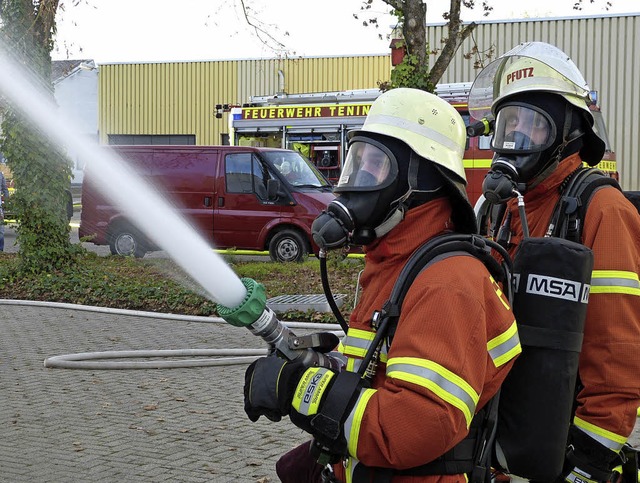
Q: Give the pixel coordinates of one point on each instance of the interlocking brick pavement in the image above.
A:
(152, 425)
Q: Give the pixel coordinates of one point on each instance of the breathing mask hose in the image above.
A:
(261, 321)
(523, 214)
(322, 255)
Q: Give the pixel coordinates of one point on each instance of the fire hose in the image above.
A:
(274, 330)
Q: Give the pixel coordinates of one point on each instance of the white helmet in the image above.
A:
(535, 67)
(426, 123)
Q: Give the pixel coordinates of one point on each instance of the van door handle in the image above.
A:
(207, 201)
(220, 201)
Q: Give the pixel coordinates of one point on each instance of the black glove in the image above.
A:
(588, 460)
(269, 384)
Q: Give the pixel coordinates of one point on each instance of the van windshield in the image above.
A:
(296, 169)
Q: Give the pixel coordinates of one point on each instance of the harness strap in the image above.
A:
(569, 213)
(461, 459)
(550, 338)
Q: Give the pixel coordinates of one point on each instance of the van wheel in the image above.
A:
(127, 242)
(288, 246)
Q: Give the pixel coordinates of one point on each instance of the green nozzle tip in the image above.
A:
(251, 307)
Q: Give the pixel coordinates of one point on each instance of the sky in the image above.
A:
(111, 31)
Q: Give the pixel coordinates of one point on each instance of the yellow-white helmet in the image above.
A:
(429, 125)
(433, 129)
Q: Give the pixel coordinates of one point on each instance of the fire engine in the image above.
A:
(316, 125)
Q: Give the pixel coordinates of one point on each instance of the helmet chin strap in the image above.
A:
(400, 206)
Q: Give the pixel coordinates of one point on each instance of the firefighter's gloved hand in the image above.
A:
(587, 460)
(269, 383)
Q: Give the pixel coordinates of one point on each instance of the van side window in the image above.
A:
(245, 174)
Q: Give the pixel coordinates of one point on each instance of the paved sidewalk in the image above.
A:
(178, 425)
(154, 425)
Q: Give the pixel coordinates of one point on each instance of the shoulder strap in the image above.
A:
(571, 209)
(476, 245)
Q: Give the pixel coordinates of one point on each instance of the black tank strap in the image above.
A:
(568, 216)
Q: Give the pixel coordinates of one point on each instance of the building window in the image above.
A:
(155, 139)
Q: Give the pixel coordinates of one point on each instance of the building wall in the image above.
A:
(77, 96)
(180, 97)
(605, 49)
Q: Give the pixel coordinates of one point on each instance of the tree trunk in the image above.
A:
(40, 172)
(457, 35)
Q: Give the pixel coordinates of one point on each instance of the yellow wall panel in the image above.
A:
(180, 97)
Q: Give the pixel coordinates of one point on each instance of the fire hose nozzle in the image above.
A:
(261, 321)
(250, 309)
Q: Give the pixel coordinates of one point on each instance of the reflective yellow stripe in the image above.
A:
(350, 468)
(310, 389)
(613, 441)
(442, 382)
(615, 281)
(505, 347)
(354, 420)
(477, 163)
(358, 341)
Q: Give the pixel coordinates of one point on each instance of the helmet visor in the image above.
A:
(561, 76)
(522, 129)
(369, 166)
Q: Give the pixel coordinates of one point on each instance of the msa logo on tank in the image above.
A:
(559, 288)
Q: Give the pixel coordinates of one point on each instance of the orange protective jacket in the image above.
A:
(609, 364)
(456, 340)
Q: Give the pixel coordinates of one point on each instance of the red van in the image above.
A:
(247, 198)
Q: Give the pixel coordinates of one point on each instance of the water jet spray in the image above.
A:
(241, 303)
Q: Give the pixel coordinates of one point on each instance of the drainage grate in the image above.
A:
(315, 302)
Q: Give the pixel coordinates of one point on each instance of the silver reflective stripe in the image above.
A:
(418, 129)
(442, 382)
(505, 347)
(357, 343)
(615, 281)
(611, 440)
(497, 354)
(352, 424)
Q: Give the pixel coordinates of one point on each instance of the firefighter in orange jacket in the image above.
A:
(402, 184)
(543, 134)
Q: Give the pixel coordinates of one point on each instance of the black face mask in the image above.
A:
(519, 163)
(363, 202)
(352, 218)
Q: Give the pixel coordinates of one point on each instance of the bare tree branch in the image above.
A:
(261, 32)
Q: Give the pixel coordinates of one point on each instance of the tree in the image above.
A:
(414, 70)
(40, 171)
